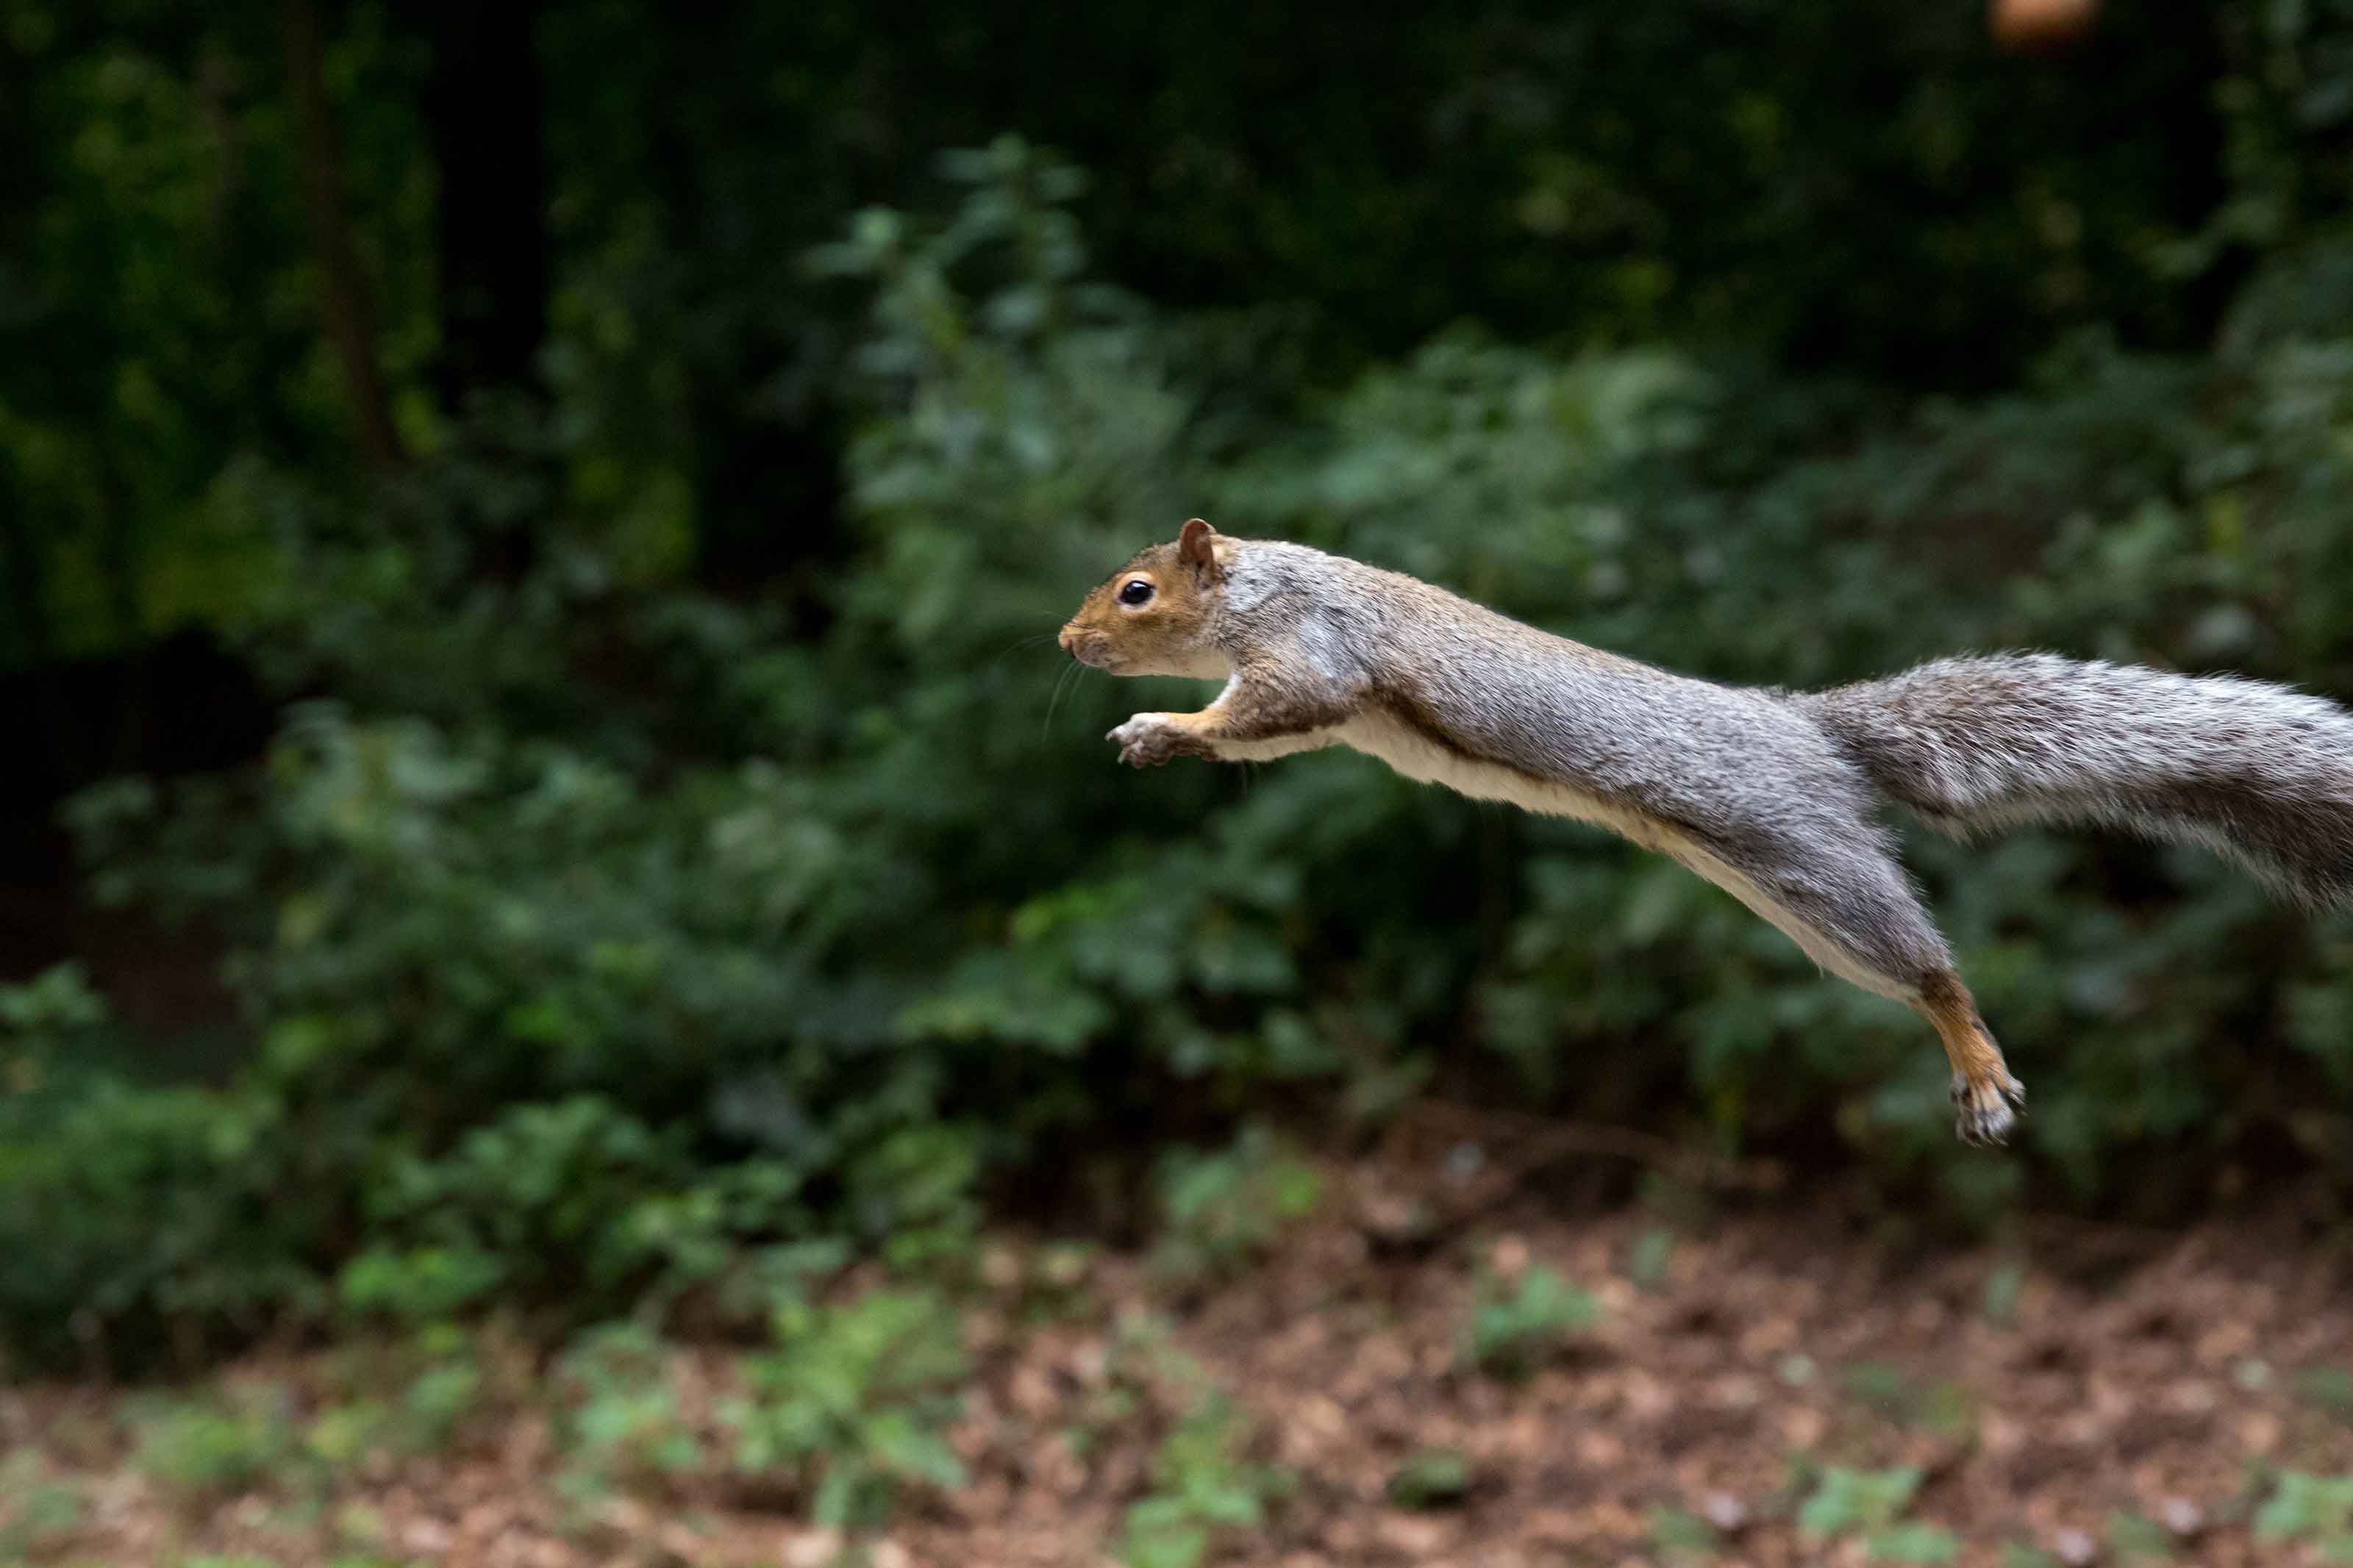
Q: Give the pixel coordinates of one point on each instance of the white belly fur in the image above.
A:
(1417, 757)
(1420, 759)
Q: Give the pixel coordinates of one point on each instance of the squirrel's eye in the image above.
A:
(1135, 591)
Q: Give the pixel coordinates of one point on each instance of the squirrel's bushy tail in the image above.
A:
(2257, 772)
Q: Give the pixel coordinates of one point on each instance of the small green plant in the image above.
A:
(1941, 1407)
(1870, 1504)
(206, 1448)
(1514, 1327)
(2328, 1388)
(414, 1395)
(1682, 1536)
(1913, 1542)
(1433, 1478)
(626, 1426)
(2138, 1538)
(438, 1403)
(37, 1513)
(2003, 1285)
(359, 1524)
(1201, 1484)
(1881, 1387)
(2315, 1509)
(1226, 1208)
(1648, 1260)
(857, 1394)
(1140, 1352)
(342, 1437)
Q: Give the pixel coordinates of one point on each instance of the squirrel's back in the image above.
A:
(1474, 684)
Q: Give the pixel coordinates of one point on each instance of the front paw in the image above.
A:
(1149, 739)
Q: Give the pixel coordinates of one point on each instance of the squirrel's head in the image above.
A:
(1152, 615)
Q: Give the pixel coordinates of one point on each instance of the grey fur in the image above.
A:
(1747, 775)
(1774, 795)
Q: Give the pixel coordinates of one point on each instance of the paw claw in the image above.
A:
(1985, 1112)
(1148, 740)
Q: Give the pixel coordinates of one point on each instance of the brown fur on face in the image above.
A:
(1168, 633)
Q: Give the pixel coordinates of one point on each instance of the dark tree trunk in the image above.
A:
(483, 105)
(30, 642)
(342, 287)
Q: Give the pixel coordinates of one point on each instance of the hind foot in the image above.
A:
(1984, 1110)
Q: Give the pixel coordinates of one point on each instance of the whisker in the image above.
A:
(1055, 701)
(1032, 640)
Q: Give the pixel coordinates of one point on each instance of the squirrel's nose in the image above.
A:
(1065, 640)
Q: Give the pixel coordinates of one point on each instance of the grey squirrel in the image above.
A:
(1773, 796)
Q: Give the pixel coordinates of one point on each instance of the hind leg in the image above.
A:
(1985, 1097)
(1843, 899)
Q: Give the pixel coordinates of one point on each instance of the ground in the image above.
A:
(1432, 1370)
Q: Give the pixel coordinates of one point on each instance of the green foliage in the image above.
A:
(1514, 1327)
(1227, 1208)
(540, 1186)
(625, 1424)
(2138, 1539)
(1913, 1541)
(37, 1514)
(668, 857)
(1647, 1258)
(441, 1400)
(854, 1398)
(2002, 1285)
(2313, 1509)
(140, 1205)
(2328, 1387)
(1871, 1504)
(1201, 1485)
(414, 1396)
(206, 1448)
(1431, 1478)
(1682, 1536)
(1943, 1407)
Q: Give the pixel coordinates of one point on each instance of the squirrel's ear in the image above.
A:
(1195, 547)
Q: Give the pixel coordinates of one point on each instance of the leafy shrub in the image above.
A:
(208, 1448)
(1514, 1327)
(1201, 1485)
(145, 1207)
(536, 1190)
(598, 934)
(421, 1392)
(623, 1424)
(854, 1397)
(1226, 1208)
